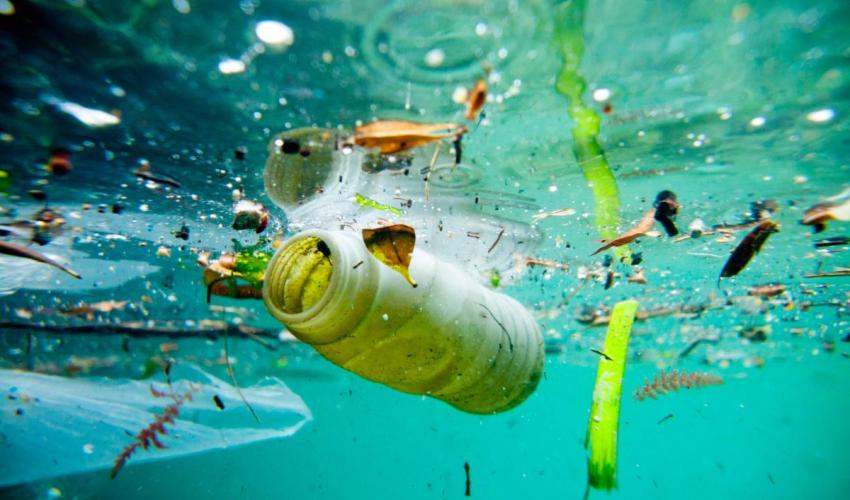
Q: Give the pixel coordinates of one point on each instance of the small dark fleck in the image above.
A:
(37, 194)
(117, 208)
(239, 153)
(19, 411)
(609, 280)
(468, 491)
(323, 247)
(358, 264)
(607, 260)
(637, 258)
(831, 242)
(304, 152)
(218, 402)
(290, 147)
(183, 233)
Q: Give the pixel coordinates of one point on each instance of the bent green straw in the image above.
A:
(605, 409)
(569, 40)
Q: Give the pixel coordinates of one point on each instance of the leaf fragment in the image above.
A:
(819, 215)
(632, 234)
(749, 246)
(393, 245)
(393, 136)
(16, 250)
(476, 99)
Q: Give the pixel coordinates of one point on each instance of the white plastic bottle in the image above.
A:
(450, 337)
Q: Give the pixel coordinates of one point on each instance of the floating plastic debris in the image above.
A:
(58, 419)
(758, 121)
(435, 58)
(275, 33)
(333, 293)
(231, 66)
(821, 115)
(89, 116)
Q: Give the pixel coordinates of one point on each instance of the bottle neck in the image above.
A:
(346, 292)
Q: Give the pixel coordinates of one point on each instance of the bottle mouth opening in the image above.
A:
(298, 276)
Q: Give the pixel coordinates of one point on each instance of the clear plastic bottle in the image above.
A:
(450, 337)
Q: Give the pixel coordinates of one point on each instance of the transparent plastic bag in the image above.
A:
(55, 426)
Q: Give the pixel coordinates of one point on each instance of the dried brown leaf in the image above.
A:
(476, 100)
(749, 246)
(392, 136)
(393, 246)
(819, 215)
(632, 234)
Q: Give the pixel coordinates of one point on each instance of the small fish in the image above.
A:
(218, 402)
(749, 246)
(17, 250)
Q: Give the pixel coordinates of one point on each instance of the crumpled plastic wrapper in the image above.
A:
(55, 426)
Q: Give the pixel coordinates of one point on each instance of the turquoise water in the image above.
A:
(724, 103)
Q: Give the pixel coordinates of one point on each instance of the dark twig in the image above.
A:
(235, 383)
(143, 330)
(499, 237)
(505, 330)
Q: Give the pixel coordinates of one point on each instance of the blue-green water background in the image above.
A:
(675, 70)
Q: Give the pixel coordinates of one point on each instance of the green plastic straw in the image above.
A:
(569, 40)
(605, 409)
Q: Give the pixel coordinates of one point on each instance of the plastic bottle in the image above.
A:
(450, 337)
